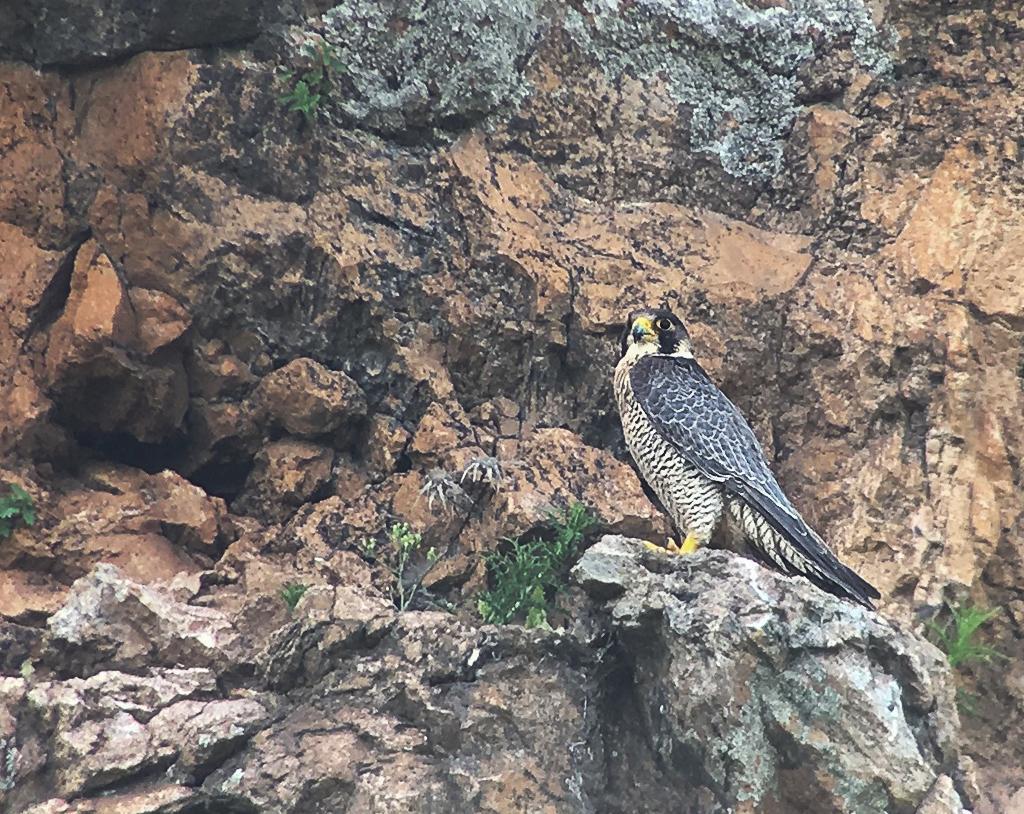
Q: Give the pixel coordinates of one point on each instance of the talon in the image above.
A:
(687, 546)
(690, 544)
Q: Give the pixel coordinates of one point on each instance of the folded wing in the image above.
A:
(692, 414)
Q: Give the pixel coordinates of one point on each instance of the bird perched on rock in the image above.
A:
(697, 452)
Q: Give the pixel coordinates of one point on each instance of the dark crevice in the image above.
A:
(1011, 322)
(125, 449)
(361, 210)
(152, 771)
(403, 463)
(218, 804)
(55, 296)
(86, 64)
(224, 476)
(631, 741)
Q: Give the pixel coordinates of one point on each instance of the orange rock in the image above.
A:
(441, 431)
(98, 318)
(552, 469)
(32, 183)
(214, 372)
(27, 594)
(121, 135)
(28, 270)
(91, 367)
(307, 399)
(187, 515)
(863, 307)
(286, 474)
(384, 441)
(145, 524)
(161, 319)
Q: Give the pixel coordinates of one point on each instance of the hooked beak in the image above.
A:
(642, 328)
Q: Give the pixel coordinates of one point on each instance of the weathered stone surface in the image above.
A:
(98, 313)
(23, 403)
(455, 64)
(110, 622)
(28, 593)
(307, 399)
(464, 731)
(942, 797)
(114, 727)
(152, 527)
(66, 33)
(91, 360)
(204, 733)
(17, 643)
(160, 319)
(156, 798)
(286, 475)
(783, 695)
(385, 442)
(775, 688)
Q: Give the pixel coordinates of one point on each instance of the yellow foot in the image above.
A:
(688, 546)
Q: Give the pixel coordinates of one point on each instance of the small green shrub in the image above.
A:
(400, 555)
(368, 548)
(16, 507)
(955, 637)
(307, 90)
(525, 577)
(292, 593)
(966, 702)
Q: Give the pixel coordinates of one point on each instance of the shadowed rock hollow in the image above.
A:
(236, 343)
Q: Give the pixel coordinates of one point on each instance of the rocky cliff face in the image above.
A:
(238, 340)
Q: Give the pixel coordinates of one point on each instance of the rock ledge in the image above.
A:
(764, 693)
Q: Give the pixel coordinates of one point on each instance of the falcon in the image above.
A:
(697, 452)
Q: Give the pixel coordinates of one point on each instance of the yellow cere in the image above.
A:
(645, 324)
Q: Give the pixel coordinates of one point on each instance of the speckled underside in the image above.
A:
(700, 456)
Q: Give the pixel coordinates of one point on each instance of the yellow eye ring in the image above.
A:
(663, 324)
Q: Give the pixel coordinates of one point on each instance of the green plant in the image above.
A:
(368, 548)
(292, 593)
(307, 90)
(526, 576)
(956, 636)
(15, 507)
(403, 556)
(966, 702)
(406, 543)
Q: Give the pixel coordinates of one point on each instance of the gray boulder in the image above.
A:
(759, 692)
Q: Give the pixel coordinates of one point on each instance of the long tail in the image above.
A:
(772, 548)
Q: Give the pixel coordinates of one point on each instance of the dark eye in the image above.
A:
(663, 324)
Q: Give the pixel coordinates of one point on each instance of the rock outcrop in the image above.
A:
(747, 682)
(708, 685)
(243, 332)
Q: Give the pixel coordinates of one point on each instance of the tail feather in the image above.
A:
(807, 556)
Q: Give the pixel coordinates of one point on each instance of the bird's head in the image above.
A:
(655, 330)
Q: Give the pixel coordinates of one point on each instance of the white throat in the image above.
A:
(635, 351)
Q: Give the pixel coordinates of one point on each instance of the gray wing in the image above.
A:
(692, 414)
